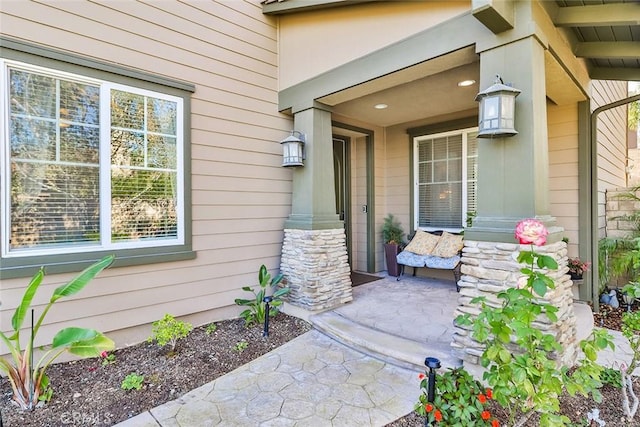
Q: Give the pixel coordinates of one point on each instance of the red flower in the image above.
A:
(489, 393)
(103, 354)
(482, 398)
(438, 415)
(495, 423)
(420, 376)
(485, 415)
(428, 407)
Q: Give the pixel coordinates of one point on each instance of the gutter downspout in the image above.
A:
(595, 282)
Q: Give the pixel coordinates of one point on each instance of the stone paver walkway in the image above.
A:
(310, 381)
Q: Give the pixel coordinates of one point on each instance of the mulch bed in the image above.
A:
(86, 393)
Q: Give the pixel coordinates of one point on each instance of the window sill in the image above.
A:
(11, 268)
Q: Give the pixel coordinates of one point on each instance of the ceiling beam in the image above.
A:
(608, 50)
(605, 73)
(598, 15)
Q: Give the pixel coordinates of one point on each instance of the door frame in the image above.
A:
(343, 130)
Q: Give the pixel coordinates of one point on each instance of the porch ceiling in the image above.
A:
(425, 90)
(606, 33)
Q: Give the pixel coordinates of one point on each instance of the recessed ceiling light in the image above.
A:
(380, 106)
(466, 83)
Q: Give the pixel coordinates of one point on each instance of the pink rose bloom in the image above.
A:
(531, 231)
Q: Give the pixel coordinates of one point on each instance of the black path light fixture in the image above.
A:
(497, 110)
(293, 149)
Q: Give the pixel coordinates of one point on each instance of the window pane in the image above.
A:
(127, 110)
(53, 205)
(32, 95)
(162, 116)
(440, 171)
(54, 162)
(440, 194)
(79, 144)
(144, 168)
(162, 152)
(143, 204)
(32, 138)
(127, 148)
(79, 103)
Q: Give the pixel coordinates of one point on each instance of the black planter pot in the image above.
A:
(575, 276)
(391, 250)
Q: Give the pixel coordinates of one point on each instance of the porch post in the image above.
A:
(513, 172)
(314, 252)
(513, 184)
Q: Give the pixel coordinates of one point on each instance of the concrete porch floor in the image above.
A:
(400, 322)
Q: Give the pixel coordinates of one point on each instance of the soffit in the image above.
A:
(606, 33)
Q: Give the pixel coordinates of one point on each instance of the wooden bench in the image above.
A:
(415, 260)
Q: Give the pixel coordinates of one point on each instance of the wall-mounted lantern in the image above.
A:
(497, 110)
(293, 149)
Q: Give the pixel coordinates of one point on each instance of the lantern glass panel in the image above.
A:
(507, 106)
(491, 107)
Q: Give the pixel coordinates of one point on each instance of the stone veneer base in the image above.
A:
(490, 267)
(316, 268)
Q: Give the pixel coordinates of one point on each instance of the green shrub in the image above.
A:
(168, 330)
(132, 381)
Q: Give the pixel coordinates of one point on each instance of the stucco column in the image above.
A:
(513, 172)
(513, 184)
(314, 200)
(314, 252)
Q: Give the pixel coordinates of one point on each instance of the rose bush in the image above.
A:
(518, 356)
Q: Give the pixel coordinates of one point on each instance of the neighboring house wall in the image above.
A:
(563, 169)
(612, 142)
(315, 42)
(241, 195)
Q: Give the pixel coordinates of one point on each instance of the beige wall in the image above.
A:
(241, 195)
(562, 124)
(312, 43)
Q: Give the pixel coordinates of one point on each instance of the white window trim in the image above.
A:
(416, 180)
(105, 165)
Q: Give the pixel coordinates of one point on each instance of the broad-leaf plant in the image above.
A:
(29, 381)
(257, 310)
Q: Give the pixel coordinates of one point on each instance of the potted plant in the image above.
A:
(392, 234)
(577, 267)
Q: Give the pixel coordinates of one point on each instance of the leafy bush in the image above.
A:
(518, 356)
(459, 400)
(168, 330)
(30, 382)
(611, 376)
(132, 381)
(256, 312)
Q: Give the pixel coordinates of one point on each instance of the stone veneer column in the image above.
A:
(314, 259)
(490, 267)
(315, 265)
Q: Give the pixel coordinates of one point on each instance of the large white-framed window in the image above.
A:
(445, 179)
(88, 165)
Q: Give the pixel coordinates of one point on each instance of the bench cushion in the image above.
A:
(448, 246)
(414, 260)
(411, 259)
(423, 243)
